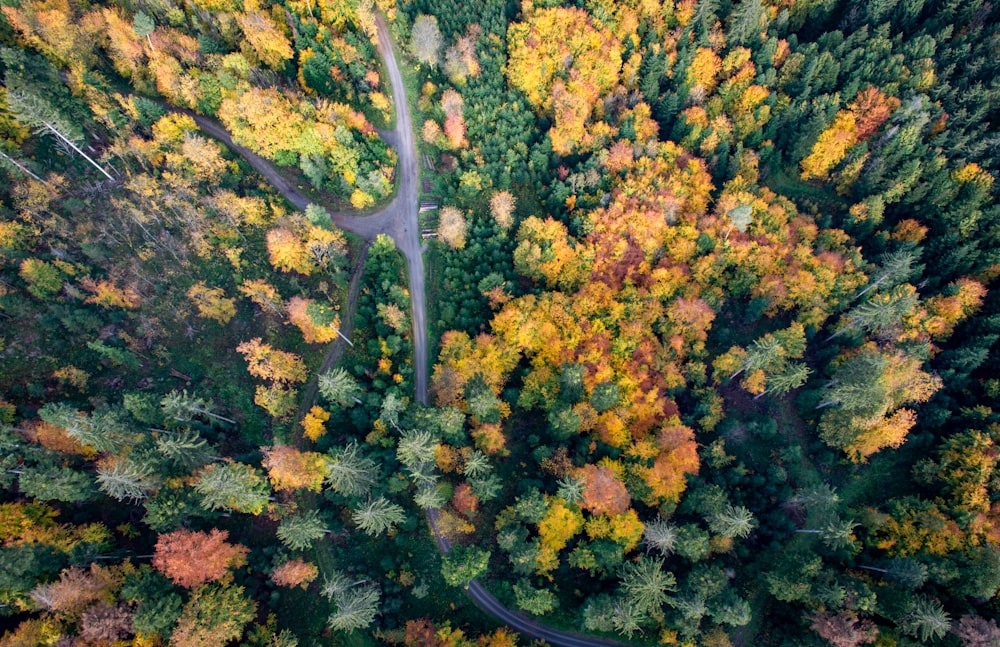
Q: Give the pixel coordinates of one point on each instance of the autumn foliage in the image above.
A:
(604, 492)
(295, 572)
(291, 469)
(190, 558)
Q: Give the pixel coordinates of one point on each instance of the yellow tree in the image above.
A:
(268, 363)
(564, 63)
(452, 227)
(212, 303)
(268, 42)
(263, 120)
(291, 469)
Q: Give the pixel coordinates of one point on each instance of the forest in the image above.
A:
(712, 316)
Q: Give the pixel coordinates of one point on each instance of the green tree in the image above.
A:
(837, 533)
(746, 23)
(732, 522)
(185, 448)
(791, 376)
(102, 430)
(182, 407)
(125, 479)
(430, 497)
(298, 532)
(927, 620)
(214, 615)
(39, 113)
(731, 609)
(905, 572)
(158, 604)
(378, 515)
(356, 603)
(646, 585)
(627, 618)
(692, 543)
(8, 161)
(417, 450)
(55, 483)
(895, 268)
(476, 465)
(537, 602)
(144, 26)
(349, 473)
(660, 535)
(338, 387)
(232, 486)
(882, 313)
(392, 407)
(570, 489)
(606, 395)
(462, 564)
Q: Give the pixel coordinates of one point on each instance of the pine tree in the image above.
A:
(927, 620)
(185, 448)
(356, 607)
(907, 573)
(124, 479)
(349, 473)
(338, 387)
(39, 113)
(417, 450)
(144, 26)
(378, 515)
(646, 585)
(570, 489)
(183, 407)
(232, 486)
(660, 535)
(101, 430)
(732, 522)
(300, 531)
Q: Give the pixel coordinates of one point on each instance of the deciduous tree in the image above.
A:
(214, 615)
(425, 40)
(295, 572)
(191, 558)
(291, 469)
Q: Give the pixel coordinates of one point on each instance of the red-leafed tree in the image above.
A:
(603, 492)
(844, 629)
(190, 558)
(295, 572)
(464, 500)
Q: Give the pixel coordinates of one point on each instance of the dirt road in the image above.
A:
(399, 220)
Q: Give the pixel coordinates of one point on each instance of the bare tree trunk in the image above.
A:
(79, 152)
(22, 168)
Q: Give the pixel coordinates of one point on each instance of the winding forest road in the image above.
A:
(398, 219)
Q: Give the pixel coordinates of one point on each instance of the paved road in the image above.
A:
(399, 220)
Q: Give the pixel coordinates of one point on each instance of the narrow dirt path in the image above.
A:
(337, 346)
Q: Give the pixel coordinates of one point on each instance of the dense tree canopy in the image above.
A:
(711, 301)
